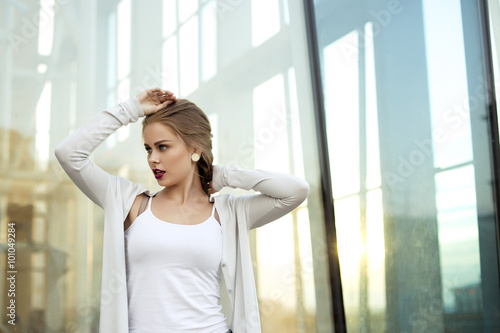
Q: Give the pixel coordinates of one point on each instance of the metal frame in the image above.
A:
(326, 190)
(492, 115)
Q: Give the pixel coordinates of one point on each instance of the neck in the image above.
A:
(188, 190)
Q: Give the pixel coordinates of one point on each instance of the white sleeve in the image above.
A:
(279, 193)
(74, 151)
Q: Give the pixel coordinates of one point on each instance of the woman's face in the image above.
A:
(168, 156)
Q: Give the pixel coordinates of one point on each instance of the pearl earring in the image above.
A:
(195, 157)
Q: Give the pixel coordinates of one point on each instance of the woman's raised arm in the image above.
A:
(74, 151)
(279, 193)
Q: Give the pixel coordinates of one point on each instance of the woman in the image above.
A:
(170, 257)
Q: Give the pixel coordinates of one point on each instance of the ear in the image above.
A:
(196, 150)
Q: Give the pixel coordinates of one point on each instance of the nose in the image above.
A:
(153, 158)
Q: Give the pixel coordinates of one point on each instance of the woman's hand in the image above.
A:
(153, 100)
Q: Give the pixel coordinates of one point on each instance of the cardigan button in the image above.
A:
(223, 264)
(230, 291)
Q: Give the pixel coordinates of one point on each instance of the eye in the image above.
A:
(148, 149)
(163, 147)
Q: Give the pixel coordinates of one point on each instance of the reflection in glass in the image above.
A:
(458, 234)
(123, 45)
(188, 56)
(265, 20)
(209, 40)
(350, 249)
(375, 254)
(46, 27)
(169, 17)
(270, 126)
(285, 268)
(186, 9)
(406, 122)
(99, 56)
(373, 176)
(452, 143)
(170, 64)
(340, 59)
(43, 126)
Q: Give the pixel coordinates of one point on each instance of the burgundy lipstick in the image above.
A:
(158, 173)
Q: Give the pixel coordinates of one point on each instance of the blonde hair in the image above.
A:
(191, 124)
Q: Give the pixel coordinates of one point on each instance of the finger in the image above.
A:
(164, 98)
(154, 93)
(162, 93)
(164, 104)
(165, 93)
(156, 90)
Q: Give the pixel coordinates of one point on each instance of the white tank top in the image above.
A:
(173, 275)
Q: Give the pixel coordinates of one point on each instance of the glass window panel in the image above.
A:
(123, 90)
(296, 152)
(448, 87)
(373, 177)
(188, 52)
(431, 248)
(265, 20)
(43, 125)
(59, 288)
(286, 12)
(307, 268)
(350, 248)
(170, 79)
(111, 68)
(123, 42)
(458, 234)
(209, 40)
(38, 285)
(169, 18)
(341, 88)
(375, 252)
(276, 276)
(46, 27)
(270, 126)
(41, 68)
(186, 9)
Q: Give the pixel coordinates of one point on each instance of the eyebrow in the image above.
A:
(158, 142)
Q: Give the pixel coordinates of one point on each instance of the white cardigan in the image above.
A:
(279, 194)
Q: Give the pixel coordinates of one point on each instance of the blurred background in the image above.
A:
(386, 107)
